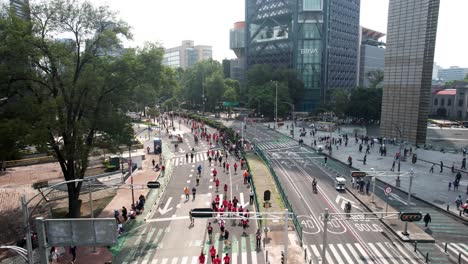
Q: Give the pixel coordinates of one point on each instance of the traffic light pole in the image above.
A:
(325, 231)
(405, 232)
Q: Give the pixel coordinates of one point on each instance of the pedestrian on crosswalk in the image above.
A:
(235, 167)
(186, 157)
(221, 224)
(217, 184)
(227, 167)
(187, 193)
(212, 253)
(224, 166)
(227, 244)
(198, 179)
(194, 191)
(192, 223)
(427, 220)
(258, 237)
(227, 259)
(201, 258)
(246, 173)
(217, 260)
(191, 157)
(209, 160)
(220, 159)
(225, 189)
(251, 195)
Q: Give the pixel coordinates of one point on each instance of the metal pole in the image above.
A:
(41, 238)
(91, 205)
(325, 227)
(373, 186)
(410, 185)
(276, 104)
(131, 171)
(27, 226)
(386, 205)
(286, 217)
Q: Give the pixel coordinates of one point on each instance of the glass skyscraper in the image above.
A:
(293, 34)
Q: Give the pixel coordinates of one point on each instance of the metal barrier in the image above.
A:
(284, 197)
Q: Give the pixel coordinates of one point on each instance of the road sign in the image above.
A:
(153, 185)
(202, 212)
(410, 217)
(266, 196)
(358, 174)
(388, 190)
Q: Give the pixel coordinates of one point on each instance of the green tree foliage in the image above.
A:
(365, 103)
(261, 83)
(375, 78)
(339, 101)
(73, 89)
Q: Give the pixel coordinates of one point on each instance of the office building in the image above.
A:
(294, 34)
(237, 44)
(435, 71)
(451, 74)
(409, 58)
(186, 55)
(20, 7)
(371, 54)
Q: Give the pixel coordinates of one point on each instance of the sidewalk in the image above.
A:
(263, 181)
(430, 187)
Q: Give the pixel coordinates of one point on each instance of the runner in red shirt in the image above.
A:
(235, 168)
(217, 184)
(217, 200)
(227, 259)
(215, 172)
(212, 253)
(225, 189)
(217, 260)
(227, 167)
(201, 258)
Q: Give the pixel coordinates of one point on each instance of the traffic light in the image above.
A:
(410, 217)
(153, 185)
(202, 212)
(358, 174)
(282, 257)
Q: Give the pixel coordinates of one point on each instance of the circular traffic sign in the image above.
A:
(388, 190)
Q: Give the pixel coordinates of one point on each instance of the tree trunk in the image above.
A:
(74, 203)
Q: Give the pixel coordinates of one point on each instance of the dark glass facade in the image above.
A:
(409, 57)
(293, 34)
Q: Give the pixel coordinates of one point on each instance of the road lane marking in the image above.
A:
(184, 260)
(354, 253)
(390, 256)
(174, 260)
(345, 254)
(363, 252)
(335, 253)
(377, 252)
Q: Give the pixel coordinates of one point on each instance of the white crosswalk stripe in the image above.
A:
(181, 160)
(243, 252)
(457, 248)
(385, 253)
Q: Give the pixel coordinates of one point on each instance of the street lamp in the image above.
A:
(400, 140)
(276, 103)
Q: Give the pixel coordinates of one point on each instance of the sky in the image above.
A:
(207, 22)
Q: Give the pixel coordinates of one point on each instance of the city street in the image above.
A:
(168, 237)
(444, 228)
(354, 241)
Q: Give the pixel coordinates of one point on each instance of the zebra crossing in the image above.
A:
(455, 249)
(276, 145)
(144, 251)
(197, 157)
(380, 252)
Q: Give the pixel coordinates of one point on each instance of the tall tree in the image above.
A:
(365, 103)
(375, 78)
(73, 88)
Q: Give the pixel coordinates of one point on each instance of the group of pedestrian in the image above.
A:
(214, 260)
(359, 184)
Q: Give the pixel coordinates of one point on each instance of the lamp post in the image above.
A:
(276, 103)
(405, 232)
(400, 141)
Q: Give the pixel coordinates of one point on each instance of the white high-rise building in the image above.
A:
(186, 55)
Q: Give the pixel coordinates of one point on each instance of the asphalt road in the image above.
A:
(350, 241)
(168, 238)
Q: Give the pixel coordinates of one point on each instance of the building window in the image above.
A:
(449, 102)
(442, 102)
(312, 5)
(460, 102)
(436, 101)
(459, 114)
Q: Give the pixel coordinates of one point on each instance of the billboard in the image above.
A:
(81, 232)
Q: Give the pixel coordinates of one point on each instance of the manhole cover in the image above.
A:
(438, 202)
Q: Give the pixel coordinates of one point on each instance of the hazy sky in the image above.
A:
(207, 22)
